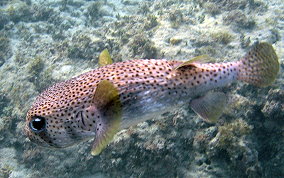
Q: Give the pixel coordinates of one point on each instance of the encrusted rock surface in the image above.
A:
(42, 42)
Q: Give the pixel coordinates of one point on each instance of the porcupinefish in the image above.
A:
(99, 103)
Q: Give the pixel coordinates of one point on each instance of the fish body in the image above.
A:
(84, 107)
(150, 87)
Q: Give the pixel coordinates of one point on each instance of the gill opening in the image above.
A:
(81, 118)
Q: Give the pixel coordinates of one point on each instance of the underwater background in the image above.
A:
(46, 41)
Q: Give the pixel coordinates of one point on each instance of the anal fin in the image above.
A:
(106, 100)
(209, 107)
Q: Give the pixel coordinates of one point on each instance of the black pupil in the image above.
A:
(38, 123)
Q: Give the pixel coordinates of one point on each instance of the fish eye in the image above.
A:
(37, 124)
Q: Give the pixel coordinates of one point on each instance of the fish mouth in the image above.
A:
(40, 139)
(39, 142)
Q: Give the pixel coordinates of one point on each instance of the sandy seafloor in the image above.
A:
(45, 41)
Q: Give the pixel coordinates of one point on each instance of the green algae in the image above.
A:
(45, 79)
(6, 122)
(231, 133)
(175, 41)
(3, 19)
(206, 50)
(3, 102)
(176, 18)
(35, 66)
(142, 46)
(228, 5)
(5, 49)
(151, 22)
(212, 8)
(82, 47)
(95, 12)
(24, 11)
(223, 37)
(18, 11)
(144, 9)
(239, 20)
(131, 152)
(39, 74)
(233, 142)
(6, 171)
(245, 41)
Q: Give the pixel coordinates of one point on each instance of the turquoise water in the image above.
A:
(43, 42)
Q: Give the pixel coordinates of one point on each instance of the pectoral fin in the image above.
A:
(209, 107)
(104, 58)
(106, 100)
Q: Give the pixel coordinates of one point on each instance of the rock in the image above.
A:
(274, 105)
(43, 42)
(239, 20)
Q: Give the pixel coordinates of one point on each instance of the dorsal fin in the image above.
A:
(192, 62)
(105, 58)
(107, 102)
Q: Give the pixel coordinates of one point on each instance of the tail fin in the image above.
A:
(259, 66)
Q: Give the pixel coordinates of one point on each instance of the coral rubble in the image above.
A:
(42, 42)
